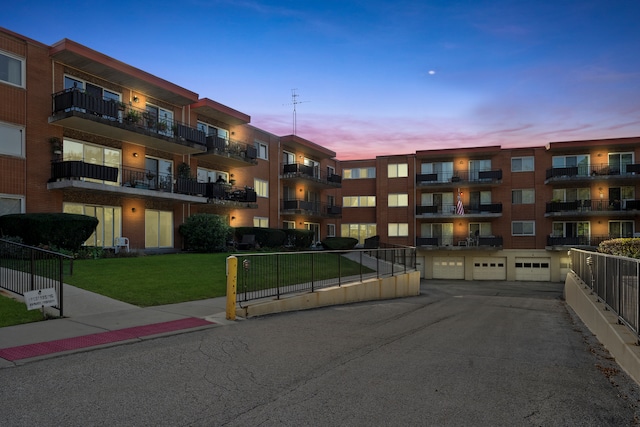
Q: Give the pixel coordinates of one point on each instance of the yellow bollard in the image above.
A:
(232, 283)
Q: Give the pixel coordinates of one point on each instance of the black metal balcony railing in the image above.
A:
(229, 147)
(474, 177)
(450, 209)
(120, 114)
(576, 240)
(300, 170)
(149, 180)
(599, 170)
(599, 205)
(313, 208)
(480, 241)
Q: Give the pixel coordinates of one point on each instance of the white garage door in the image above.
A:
(448, 267)
(490, 268)
(533, 269)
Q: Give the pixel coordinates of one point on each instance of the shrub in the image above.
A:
(628, 247)
(339, 243)
(265, 237)
(62, 230)
(298, 239)
(205, 233)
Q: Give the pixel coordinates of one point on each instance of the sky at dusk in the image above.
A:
(379, 77)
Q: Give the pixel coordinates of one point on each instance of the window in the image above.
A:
(482, 228)
(400, 170)
(315, 167)
(398, 229)
(398, 200)
(95, 155)
(523, 197)
(358, 201)
(571, 194)
(571, 229)
(581, 162)
(109, 222)
(262, 187)
(261, 149)
(443, 232)
(211, 175)
(11, 69)
(11, 140)
(477, 166)
(443, 170)
(331, 171)
(158, 229)
(288, 225)
(523, 228)
(522, 164)
(331, 230)
(260, 221)
(222, 134)
(11, 204)
(620, 229)
(359, 173)
(618, 162)
(91, 89)
(288, 158)
(358, 231)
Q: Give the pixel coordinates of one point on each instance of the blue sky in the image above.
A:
(380, 77)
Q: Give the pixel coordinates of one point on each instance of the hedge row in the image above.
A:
(62, 230)
(628, 247)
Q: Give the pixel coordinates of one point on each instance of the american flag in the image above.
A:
(459, 207)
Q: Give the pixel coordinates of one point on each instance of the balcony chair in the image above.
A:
(121, 242)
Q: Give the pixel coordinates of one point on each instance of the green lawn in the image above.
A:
(153, 280)
(13, 312)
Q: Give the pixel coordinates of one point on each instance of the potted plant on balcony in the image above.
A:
(162, 126)
(132, 117)
(56, 145)
(184, 170)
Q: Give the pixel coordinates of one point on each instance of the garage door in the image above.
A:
(533, 269)
(490, 268)
(448, 267)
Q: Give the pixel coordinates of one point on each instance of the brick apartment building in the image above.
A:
(85, 133)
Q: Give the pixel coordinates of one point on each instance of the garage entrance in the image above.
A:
(448, 267)
(533, 269)
(487, 268)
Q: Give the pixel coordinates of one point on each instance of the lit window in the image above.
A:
(358, 201)
(259, 221)
(359, 173)
(398, 229)
(398, 200)
(400, 170)
(261, 187)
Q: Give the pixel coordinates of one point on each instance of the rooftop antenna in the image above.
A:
(294, 102)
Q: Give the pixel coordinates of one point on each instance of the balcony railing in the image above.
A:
(119, 114)
(447, 209)
(229, 147)
(593, 171)
(599, 205)
(461, 177)
(144, 179)
(312, 208)
(300, 170)
(576, 240)
(453, 241)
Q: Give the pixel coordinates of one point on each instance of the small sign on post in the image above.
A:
(41, 298)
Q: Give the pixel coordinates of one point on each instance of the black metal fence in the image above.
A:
(24, 268)
(614, 280)
(262, 275)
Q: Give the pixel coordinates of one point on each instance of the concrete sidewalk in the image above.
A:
(93, 320)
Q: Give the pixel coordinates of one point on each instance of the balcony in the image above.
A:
(82, 176)
(303, 207)
(593, 173)
(448, 210)
(457, 243)
(563, 243)
(453, 179)
(78, 110)
(598, 207)
(299, 171)
(229, 153)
